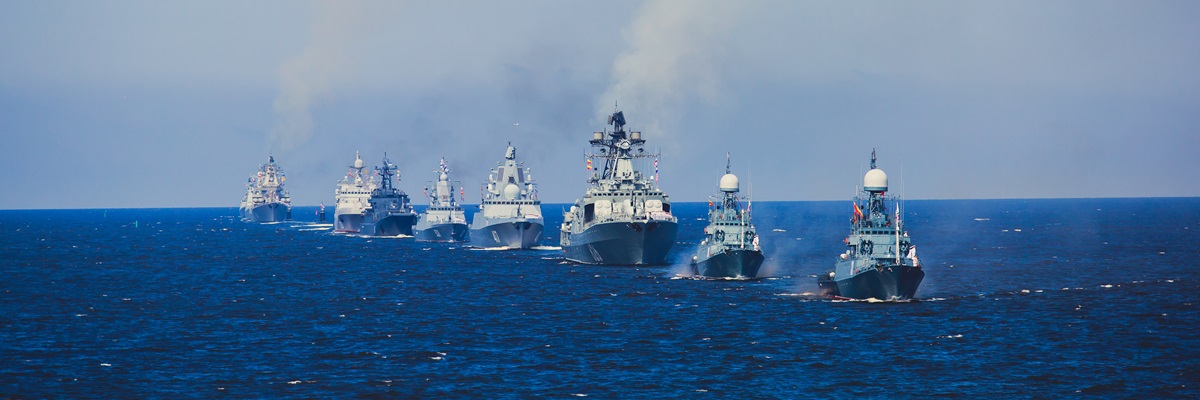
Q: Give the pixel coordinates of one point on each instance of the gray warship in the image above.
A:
(880, 262)
(623, 218)
(389, 212)
(730, 247)
(353, 196)
(510, 215)
(444, 220)
(265, 199)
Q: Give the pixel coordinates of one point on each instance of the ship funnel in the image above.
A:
(635, 135)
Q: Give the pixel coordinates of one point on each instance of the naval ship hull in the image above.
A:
(448, 232)
(623, 243)
(270, 212)
(730, 264)
(392, 225)
(347, 223)
(892, 282)
(510, 234)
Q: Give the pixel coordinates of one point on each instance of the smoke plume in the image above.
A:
(307, 78)
(672, 55)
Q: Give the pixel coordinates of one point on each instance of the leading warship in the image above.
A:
(353, 196)
(730, 247)
(389, 212)
(880, 262)
(510, 215)
(623, 218)
(444, 220)
(265, 199)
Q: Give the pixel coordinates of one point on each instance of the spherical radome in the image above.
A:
(729, 183)
(358, 163)
(511, 192)
(875, 181)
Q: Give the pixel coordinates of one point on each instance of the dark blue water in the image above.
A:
(1023, 298)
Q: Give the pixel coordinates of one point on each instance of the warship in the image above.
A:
(444, 220)
(623, 217)
(880, 261)
(265, 199)
(730, 247)
(389, 212)
(352, 196)
(510, 215)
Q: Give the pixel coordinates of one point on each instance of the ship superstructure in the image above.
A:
(880, 261)
(265, 199)
(730, 248)
(623, 217)
(389, 211)
(352, 196)
(443, 220)
(510, 215)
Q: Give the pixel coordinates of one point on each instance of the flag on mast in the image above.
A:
(655, 170)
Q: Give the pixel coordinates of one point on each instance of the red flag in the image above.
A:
(857, 212)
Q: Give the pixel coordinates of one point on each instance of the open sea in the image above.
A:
(1022, 299)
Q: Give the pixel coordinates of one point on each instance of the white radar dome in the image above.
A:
(443, 176)
(875, 181)
(729, 183)
(511, 192)
(358, 163)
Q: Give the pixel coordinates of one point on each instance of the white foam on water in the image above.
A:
(983, 219)
(546, 248)
(313, 229)
(1106, 286)
(955, 336)
(778, 230)
(400, 236)
(501, 248)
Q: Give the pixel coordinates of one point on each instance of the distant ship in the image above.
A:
(352, 196)
(390, 213)
(510, 215)
(266, 200)
(623, 218)
(730, 247)
(881, 262)
(444, 220)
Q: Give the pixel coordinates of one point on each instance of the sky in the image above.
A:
(129, 104)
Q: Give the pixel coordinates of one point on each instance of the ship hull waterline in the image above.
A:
(270, 212)
(513, 235)
(739, 263)
(448, 233)
(623, 243)
(347, 223)
(892, 282)
(392, 225)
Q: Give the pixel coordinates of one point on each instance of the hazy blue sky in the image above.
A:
(175, 103)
